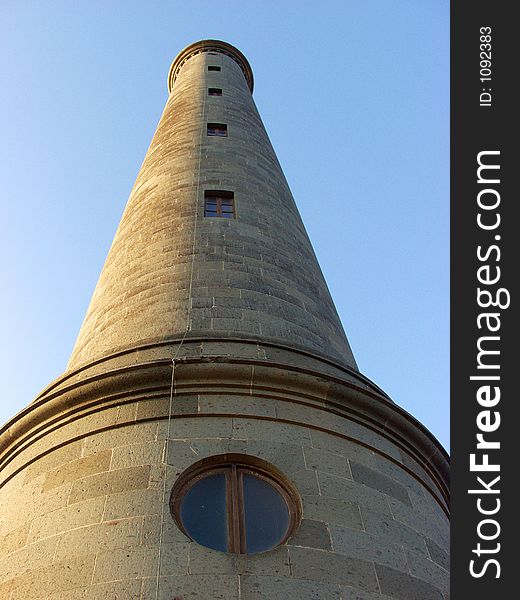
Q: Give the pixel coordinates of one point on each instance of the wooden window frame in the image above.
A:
(217, 129)
(218, 196)
(234, 470)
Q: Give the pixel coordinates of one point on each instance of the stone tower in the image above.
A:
(212, 437)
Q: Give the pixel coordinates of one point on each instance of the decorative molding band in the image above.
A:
(225, 375)
(443, 505)
(168, 347)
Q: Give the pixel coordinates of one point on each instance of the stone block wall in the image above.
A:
(170, 268)
(82, 510)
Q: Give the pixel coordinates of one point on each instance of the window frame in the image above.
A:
(218, 129)
(234, 467)
(214, 92)
(218, 196)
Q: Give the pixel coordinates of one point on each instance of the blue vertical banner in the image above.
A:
(485, 251)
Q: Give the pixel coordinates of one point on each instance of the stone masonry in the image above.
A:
(209, 337)
(255, 276)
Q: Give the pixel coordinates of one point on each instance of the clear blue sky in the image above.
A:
(354, 95)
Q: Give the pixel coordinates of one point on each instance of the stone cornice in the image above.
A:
(210, 46)
(129, 379)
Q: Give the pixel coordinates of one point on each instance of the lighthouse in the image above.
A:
(212, 436)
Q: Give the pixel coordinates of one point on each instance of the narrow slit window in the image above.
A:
(214, 92)
(218, 129)
(219, 203)
(213, 68)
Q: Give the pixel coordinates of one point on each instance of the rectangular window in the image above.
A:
(214, 92)
(213, 68)
(219, 129)
(219, 203)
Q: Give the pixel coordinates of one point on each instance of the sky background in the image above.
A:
(355, 98)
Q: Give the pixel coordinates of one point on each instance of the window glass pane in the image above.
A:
(266, 514)
(203, 512)
(216, 205)
(217, 129)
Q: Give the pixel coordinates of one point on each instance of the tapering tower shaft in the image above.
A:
(176, 266)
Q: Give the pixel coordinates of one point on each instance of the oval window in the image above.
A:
(234, 507)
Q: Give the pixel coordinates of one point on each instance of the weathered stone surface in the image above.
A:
(429, 571)
(380, 482)
(318, 565)
(267, 588)
(133, 503)
(31, 501)
(192, 587)
(34, 556)
(44, 581)
(400, 585)
(438, 555)
(152, 532)
(53, 459)
(127, 563)
(368, 547)
(137, 455)
(392, 531)
(327, 462)
(338, 487)
(435, 528)
(306, 481)
(183, 453)
(110, 483)
(83, 467)
(243, 405)
(255, 429)
(288, 457)
(197, 427)
(140, 432)
(350, 593)
(99, 538)
(332, 510)
(15, 539)
(69, 517)
(204, 560)
(129, 590)
(312, 534)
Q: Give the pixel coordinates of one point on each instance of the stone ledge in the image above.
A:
(107, 389)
